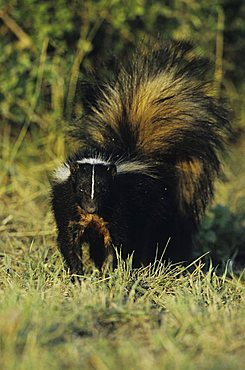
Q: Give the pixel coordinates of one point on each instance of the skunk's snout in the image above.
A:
(90, 207)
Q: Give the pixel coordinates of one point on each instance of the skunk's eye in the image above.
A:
(80, 190)
(112, 169)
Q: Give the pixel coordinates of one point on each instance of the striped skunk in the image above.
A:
(150, 140)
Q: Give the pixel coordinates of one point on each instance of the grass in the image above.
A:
(158, 317)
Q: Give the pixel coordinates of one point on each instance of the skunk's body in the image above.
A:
(150, 141)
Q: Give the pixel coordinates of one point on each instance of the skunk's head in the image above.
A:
(92, 185)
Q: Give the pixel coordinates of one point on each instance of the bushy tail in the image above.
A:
(158, 108)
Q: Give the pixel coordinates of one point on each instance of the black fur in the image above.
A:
(145, 210)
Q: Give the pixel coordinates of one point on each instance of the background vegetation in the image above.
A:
(165, 318)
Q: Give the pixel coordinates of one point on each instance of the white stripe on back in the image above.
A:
(135, 167)
(62, 173)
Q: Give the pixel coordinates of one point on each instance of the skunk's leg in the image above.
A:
(70, 245)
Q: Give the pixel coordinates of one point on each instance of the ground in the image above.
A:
(159, 317)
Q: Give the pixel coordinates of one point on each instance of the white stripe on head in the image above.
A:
(93, 161)
(61, 173)
(92, 183)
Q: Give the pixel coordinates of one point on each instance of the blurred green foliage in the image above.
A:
(222, 236)
(46, 46)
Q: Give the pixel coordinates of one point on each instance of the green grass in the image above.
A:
(158, 317)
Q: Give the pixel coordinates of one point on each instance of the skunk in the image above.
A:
(149, 151)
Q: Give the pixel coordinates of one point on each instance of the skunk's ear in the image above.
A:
(112, 169)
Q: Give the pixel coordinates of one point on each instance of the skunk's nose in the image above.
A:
(91, 206)
(91, 209)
